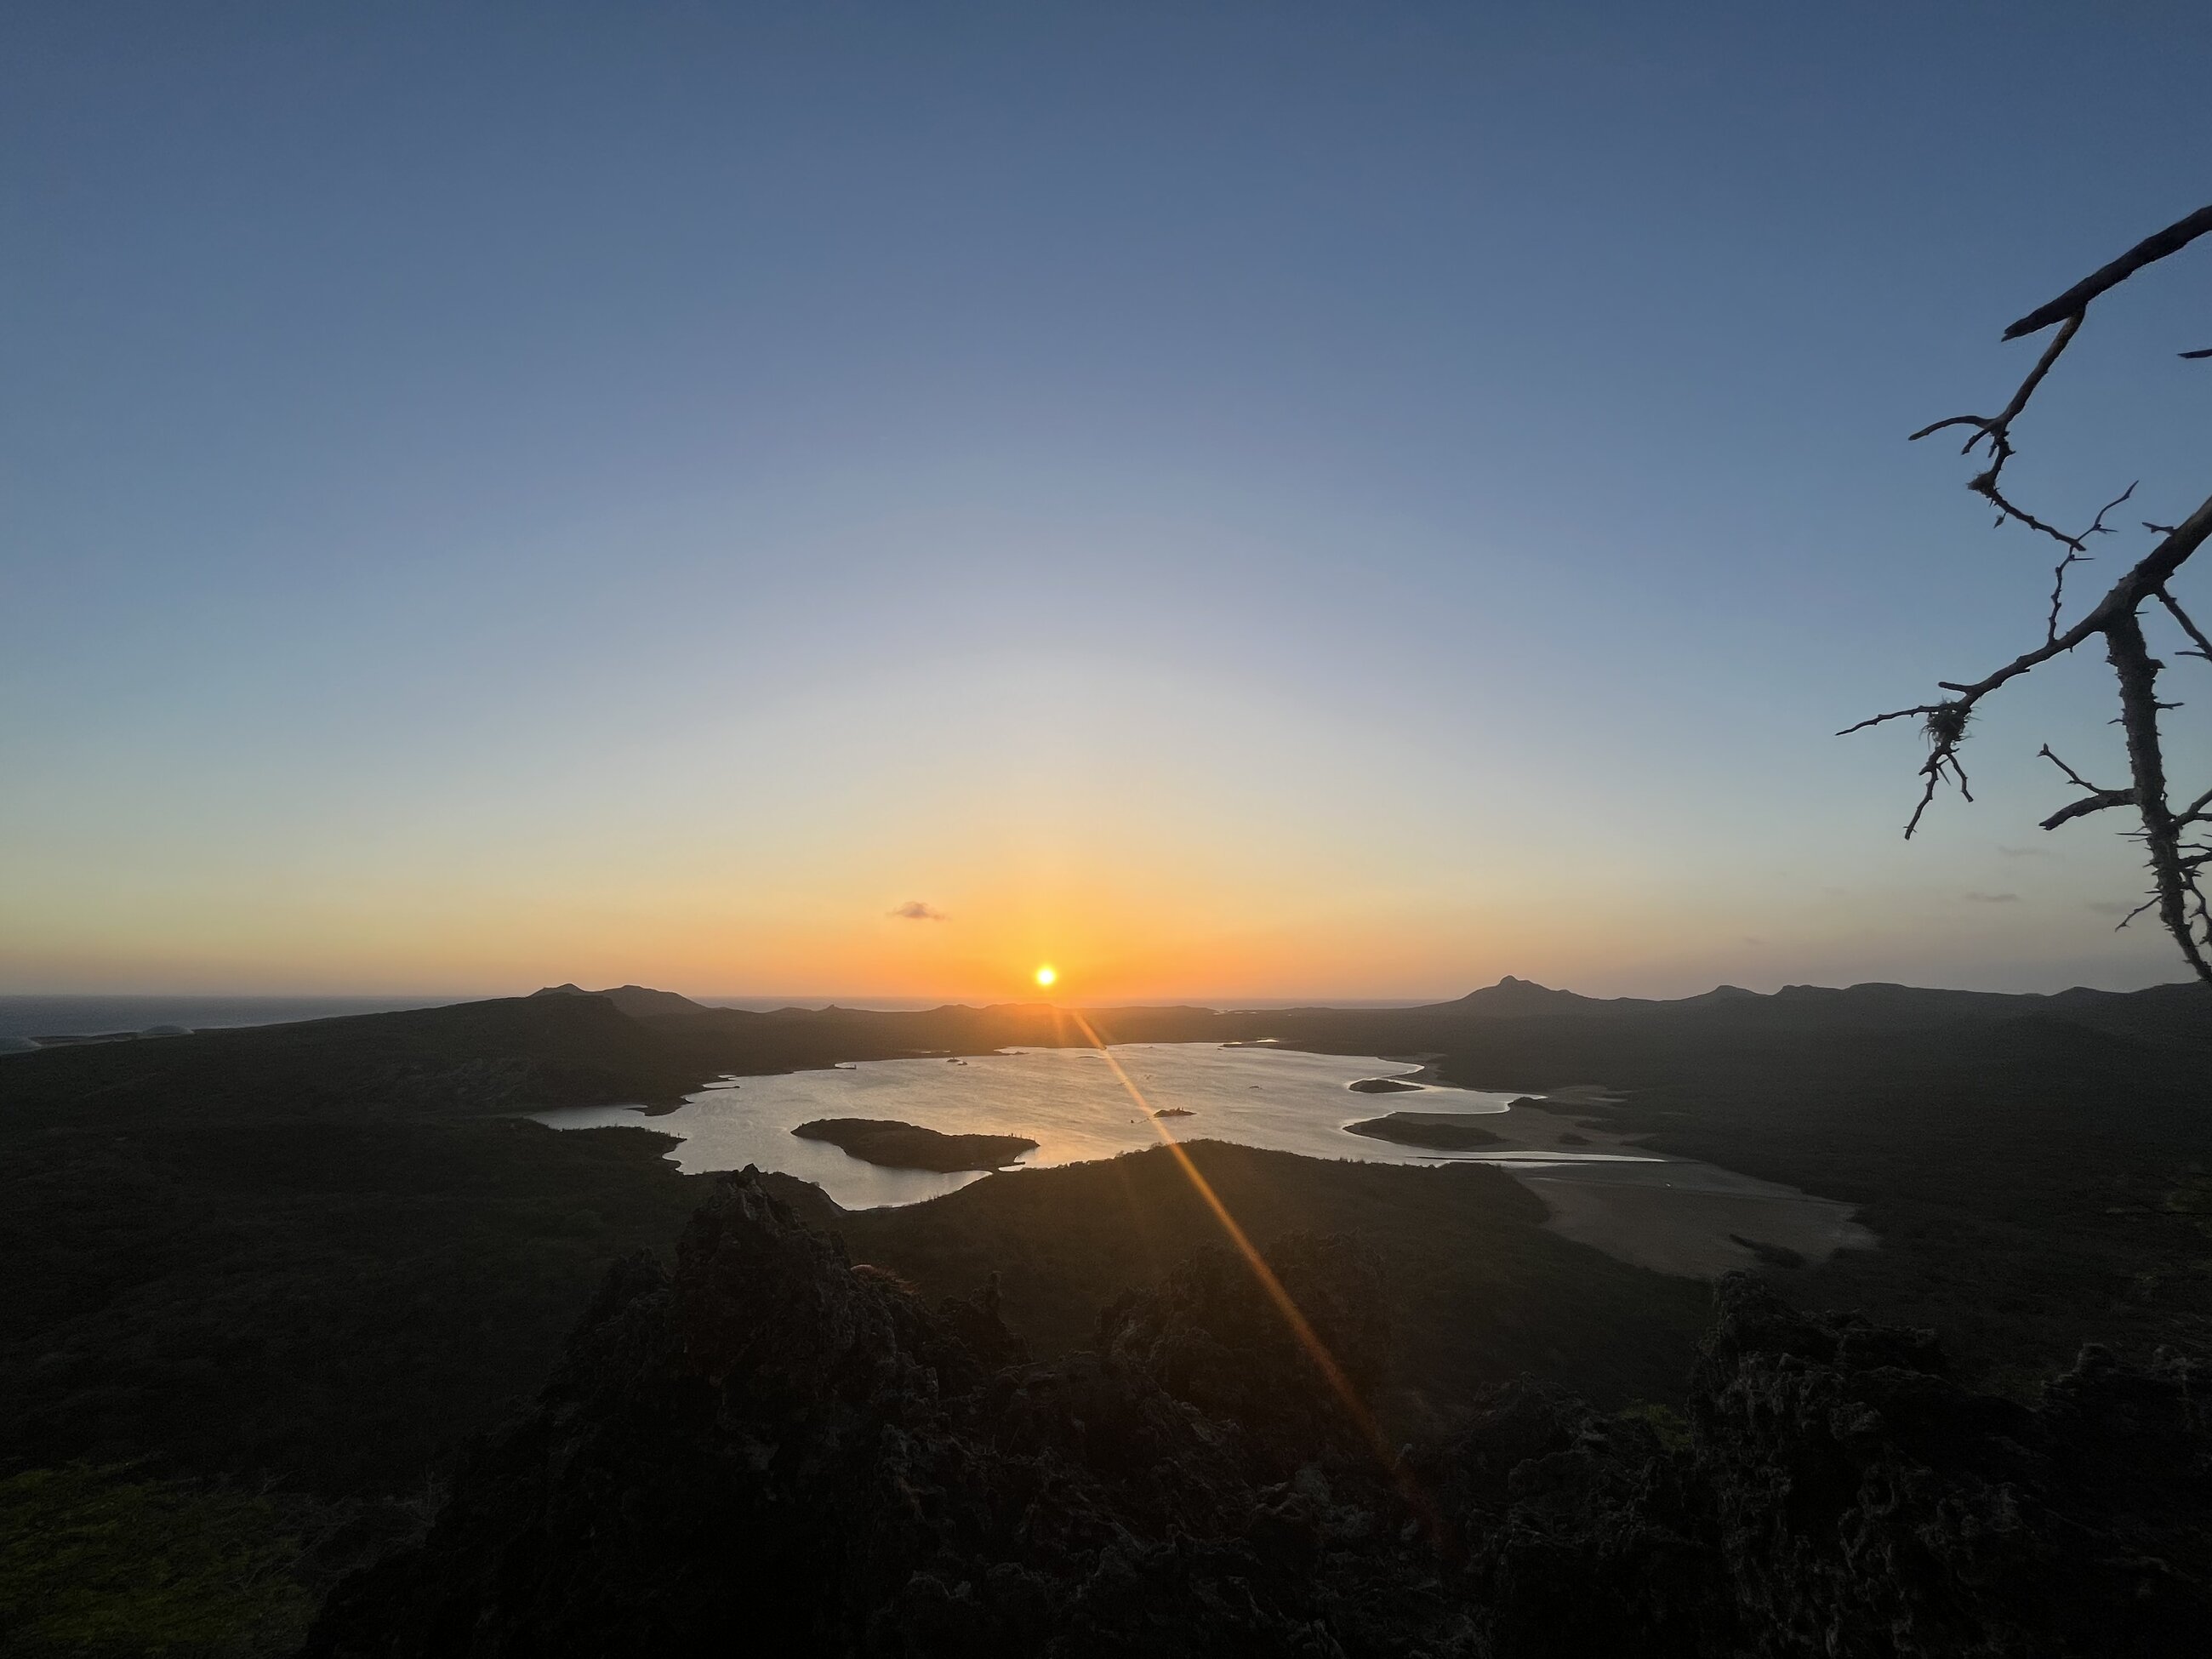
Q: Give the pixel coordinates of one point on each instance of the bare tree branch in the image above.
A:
(1993, 427)
(2075, 300)
(2177, 863)
(1996, 430)
(2096, 803)
(2074, 554)
(2146, 904)
(2173, 609)
(2072, 777)
(2176, 884)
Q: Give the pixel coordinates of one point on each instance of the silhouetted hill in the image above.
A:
(1721, 993)
(471, 1057)
(1516, 998)
(2179, 1012)
(639, 1001)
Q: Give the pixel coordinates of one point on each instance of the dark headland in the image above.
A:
(1443, 1132)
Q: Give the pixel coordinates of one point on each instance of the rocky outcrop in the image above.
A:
(774, 1443)
(770, 1447)
(1865, 1504)
(1832, 1492)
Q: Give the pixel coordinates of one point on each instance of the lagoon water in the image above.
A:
(1068, 1100)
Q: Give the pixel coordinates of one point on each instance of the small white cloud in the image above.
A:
(916, 910)
(1992, 898)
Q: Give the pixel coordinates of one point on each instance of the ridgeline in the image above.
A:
(312, 1261)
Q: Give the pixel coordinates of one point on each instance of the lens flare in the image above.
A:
(1293, 1316)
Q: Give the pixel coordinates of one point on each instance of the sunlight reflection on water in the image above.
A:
(1065, 1099)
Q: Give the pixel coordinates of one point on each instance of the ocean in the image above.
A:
(88, 1016)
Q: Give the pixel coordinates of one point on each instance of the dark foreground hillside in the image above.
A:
(264, 1288)
(770, 1448)
(1478, 1292)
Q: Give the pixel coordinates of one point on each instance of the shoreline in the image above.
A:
(1600, 1186)
(1674, 1215)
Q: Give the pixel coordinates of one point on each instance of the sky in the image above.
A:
(1228, 499)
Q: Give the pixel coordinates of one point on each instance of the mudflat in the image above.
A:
(1694, 1219)
(1664, 1213)
(1611, 1191)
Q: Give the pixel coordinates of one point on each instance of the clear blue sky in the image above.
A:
(1231, 498)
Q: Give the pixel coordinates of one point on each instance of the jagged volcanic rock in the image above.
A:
(1838, 1496)
(1865, 1504)
(772, 1449)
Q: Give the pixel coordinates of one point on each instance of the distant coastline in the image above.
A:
(94, 1015)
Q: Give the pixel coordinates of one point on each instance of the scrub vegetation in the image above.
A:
(278, 1279)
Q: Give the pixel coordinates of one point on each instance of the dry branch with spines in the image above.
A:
(2177, 842)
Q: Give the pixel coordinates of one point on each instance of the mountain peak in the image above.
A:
(1515, 995)
(1521, 987)
(639, 1001)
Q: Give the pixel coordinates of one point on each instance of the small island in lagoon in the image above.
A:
(896, 1146)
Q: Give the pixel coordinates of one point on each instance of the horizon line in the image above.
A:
(861, 1000)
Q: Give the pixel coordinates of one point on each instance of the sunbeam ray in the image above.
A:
(1293, 1316)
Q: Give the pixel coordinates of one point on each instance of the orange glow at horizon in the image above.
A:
(1153, 929)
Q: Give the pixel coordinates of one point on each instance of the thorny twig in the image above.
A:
(2095, 801)
(2077, 554)
(2203, 646)
(2177, 849)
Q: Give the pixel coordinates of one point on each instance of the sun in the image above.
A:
(1045, 977)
